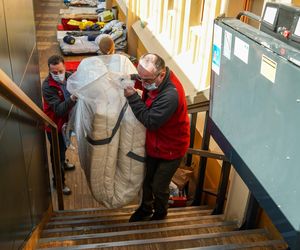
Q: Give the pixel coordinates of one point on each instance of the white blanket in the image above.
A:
(92, 3)
(81, 46)
(79, 12)
(113, 170)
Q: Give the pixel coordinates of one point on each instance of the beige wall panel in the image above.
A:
(256, 8)
(131, 19)
(234, 7)
(265, 222)
(141, 49)
(121, 15)
(237, 200)
(196, 11)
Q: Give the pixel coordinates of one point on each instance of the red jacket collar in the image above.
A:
(53, 83)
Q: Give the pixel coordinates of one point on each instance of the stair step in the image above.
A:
(138, 234)
(129, 212)
(78, 229)
(119, 218)
(109, 210)
(92, 210)
(268, 244)
(175, 242)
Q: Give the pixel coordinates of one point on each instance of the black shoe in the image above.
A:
(68, 166)
(158, 216)
(140, 215)
(66, 190)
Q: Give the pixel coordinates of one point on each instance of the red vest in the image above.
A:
(172, 139)
(58, 120)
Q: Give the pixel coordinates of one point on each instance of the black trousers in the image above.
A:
(62, 151)
(159, 174)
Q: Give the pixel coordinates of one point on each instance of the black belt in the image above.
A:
(136, 157)
(114, 131)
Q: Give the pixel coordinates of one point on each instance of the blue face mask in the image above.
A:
(59, 77)
(150, 86)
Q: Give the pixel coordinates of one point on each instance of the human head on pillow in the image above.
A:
(106, 44)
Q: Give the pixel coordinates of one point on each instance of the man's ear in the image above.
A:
(163, 74)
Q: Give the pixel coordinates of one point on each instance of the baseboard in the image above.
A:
(33, 238)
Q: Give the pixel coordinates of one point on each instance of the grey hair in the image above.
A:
(152, 60)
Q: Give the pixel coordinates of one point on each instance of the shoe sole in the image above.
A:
(69, 169)
(69, 193)
(142, 219)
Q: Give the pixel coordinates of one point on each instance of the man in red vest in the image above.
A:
(163, 111)
(57, 104)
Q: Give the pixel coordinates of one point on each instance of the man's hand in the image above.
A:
(73, 98)
(125, 81)
(129, 91)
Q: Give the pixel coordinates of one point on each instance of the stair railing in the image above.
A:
(204, 153)
(12, 93)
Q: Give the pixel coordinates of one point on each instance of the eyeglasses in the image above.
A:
(148, 80)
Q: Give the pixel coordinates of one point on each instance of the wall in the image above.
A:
(180, 31)
(256, 7)
(24, 182)
(121, 14)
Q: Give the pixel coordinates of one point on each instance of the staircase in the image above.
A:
(184, 228)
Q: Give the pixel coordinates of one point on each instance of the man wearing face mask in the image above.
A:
(163, 111)
(57, 104)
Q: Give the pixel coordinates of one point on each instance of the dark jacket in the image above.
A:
(164, 113)
(55, 105)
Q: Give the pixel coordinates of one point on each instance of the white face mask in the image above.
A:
(59, 77)
(150, 86)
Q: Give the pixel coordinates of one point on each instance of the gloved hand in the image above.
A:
(129, 91)
(126, 81)
(73, 98)
(134, 77)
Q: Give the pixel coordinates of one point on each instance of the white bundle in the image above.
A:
(113, 170)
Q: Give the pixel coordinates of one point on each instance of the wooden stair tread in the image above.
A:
(134, 225)
(114, 210)
(82, 211)
(184, 228)
(140, 233)
(118, 217)
(230, 237)
(128, 213)
(279, 244)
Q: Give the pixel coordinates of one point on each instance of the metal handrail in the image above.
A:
(11, 92)
(208, 154)
(198, 107)
(250, 15)
(204, 153)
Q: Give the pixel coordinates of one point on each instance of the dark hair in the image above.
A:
(159, 62)
(55, 59)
